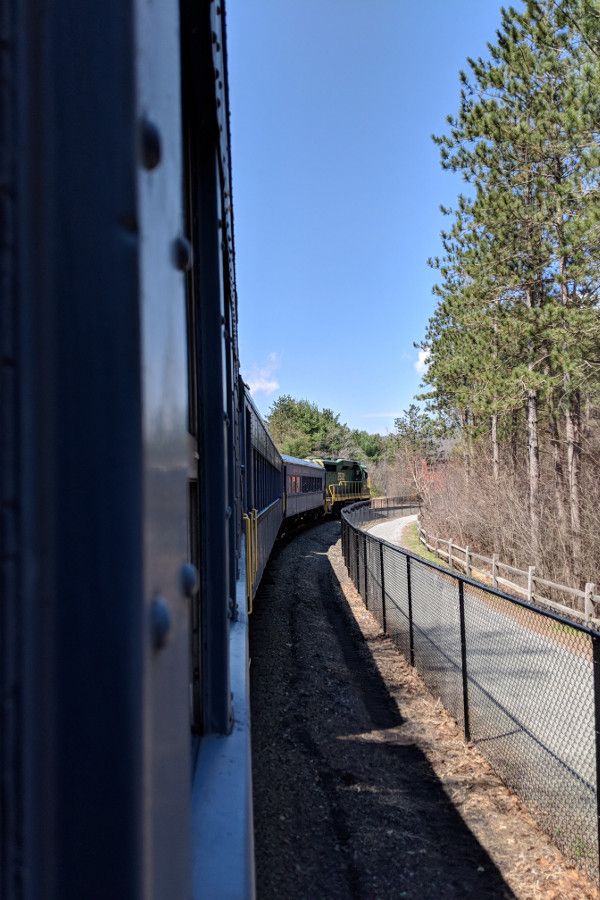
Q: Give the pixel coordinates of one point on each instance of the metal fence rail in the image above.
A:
(523, 683)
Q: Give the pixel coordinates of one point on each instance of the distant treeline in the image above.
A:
(300, 428)
(513, 347)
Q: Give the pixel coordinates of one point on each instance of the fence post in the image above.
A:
(383, 613)
(366, 570)
(437, 546)
(530, 572)
(450, 553)
(356, 562)
(411, 640)
(596, 676)
(494, 570)
(467, 563)
(463, 655)
(590, 590)
(350, 560)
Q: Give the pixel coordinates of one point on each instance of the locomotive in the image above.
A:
(140, 491)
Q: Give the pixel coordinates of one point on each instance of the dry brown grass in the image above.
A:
(472, 509)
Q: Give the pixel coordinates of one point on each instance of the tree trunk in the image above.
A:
(469, 448)
(495, 453)
(573, 438)
(533, 453)
(588, 417)
(514, 442)
(533, 448)
(560, 488)
(534, 471)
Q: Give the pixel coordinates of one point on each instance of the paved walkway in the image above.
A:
(531, 692)
(391, 530)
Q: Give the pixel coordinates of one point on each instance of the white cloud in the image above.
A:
(261, 379)
(263, 385)
(423, 361)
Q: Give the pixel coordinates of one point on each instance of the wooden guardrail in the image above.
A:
(468, 561)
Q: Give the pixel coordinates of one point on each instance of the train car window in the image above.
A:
(310, 484)
(294, 484)
(267, 480)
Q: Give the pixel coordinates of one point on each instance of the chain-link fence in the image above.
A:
(524, 684)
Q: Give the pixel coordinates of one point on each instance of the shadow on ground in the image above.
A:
(344, 807)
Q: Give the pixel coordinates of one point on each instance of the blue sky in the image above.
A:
(337, 187)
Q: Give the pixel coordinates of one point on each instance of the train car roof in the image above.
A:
(352, 462)
(300, 462)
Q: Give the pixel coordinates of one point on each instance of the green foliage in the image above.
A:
(513, 341)
(417, 434)
(520, 276)
(300, 428)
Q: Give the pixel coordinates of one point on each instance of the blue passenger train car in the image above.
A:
(128, 454)
(140, 491)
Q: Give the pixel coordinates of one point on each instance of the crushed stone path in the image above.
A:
(363, 787)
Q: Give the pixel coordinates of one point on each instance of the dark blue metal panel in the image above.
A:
(162, 256)
(11, 613)
(97, 764)
(94, 405)
(211, 290)
(80, 588)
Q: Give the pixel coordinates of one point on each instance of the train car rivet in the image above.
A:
(181, 253)
(160, 618)
(188, 580)
(151, 144)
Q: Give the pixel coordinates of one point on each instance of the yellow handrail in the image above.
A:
(349, 490)
(249, 561)
(254, 515)
(251, 520)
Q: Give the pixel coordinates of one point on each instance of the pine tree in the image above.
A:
(523, 250)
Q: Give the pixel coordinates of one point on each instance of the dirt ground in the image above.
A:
(363, 785)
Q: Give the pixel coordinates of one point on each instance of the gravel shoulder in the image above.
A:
(363, 785)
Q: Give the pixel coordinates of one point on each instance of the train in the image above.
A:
(281, 492)
(140, 491)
